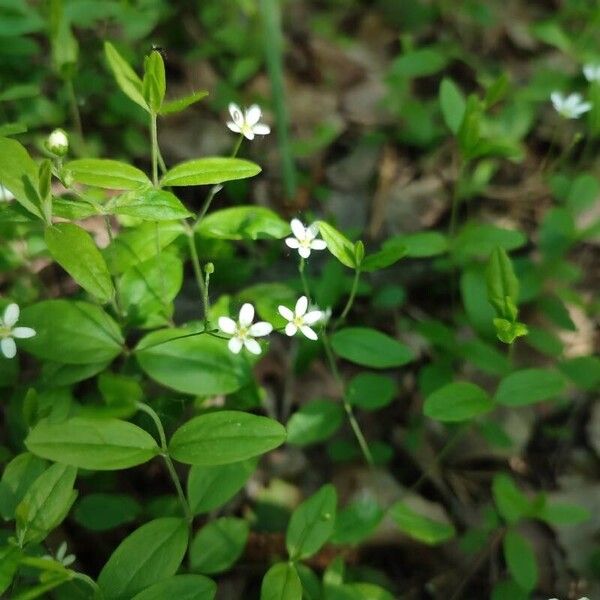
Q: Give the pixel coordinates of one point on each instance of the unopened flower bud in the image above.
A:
(58, 142)
(209, 268)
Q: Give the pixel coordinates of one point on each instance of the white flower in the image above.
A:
(304, 238)
(592, 72)
(61, 556)
(299, 319)
(571, 106)
(582, 598)
(247, 122)
(8, 331)
(58, 142)
(243, 332)
(5, 193)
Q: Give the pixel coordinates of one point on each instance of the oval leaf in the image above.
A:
(520, 560)
(528, 386)
(370, 348)
(243, 223)
(75, 251)
(419, 527)
(151, 553)
(338, 244)
(180, 587)
(281, 582)
(209, 171)
(458, 401)
(150, 205)
(225, 437)
(107, 174)
(315, 422)
(99, 444)
(83, 332)
(312, 524)
(199, 365)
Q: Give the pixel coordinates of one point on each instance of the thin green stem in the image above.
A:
(116, 302)
(301, 267)
(455, 200)
(154, 143)
(362, 442)
(74, 108)
(165, 454)
(197, 270)
(351, 298)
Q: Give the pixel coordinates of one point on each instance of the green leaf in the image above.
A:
(148, 204)
(209, 171)
(180, 587)
(508, 331)
(367, 591)
(83, 332)
(311, 524)
(138, 244)
(584, 371)
(106, 173)
(148, 288)
(387, 256)
(211, 487)
(19, 174)
(370, 391)
(9, 564)
(528, 386)
(502, 285)
(17, 476)
(175, 106)
(559, 513)
(224, 437)
(75, 251)
(458, 401)
(281, 582)
(154, 84)
(509, 590)
(421, 528)
(101, 512)
(453, 104)
(357, 521)
(46, 503)
(338, 244)
(148, 555)
(422, 244)
(520, 560)
(478, 240)
(315, 422)
(218, 545)
(512, 504)
(200, 365)
(370, 348)
(128, 80)
(420, 62)
(98, 444)
(243, 223)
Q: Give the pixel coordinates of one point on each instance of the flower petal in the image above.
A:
(235, 345)
(253, 115)
(291, 329)
(312, 317)
(248, 133)
(8, 347)
(227, 325)
(246, 314)
(298, 229)
(235, 128)
(252, 346)
(292, 243)
(11, 314)
(23, 332)
(260, 329)
(301, 306)
(312, 231)
(286, 313)
(304, 252)
(236, 114)
(318, 245)
(261, 129)
(309, 333)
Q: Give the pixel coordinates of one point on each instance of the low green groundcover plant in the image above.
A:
(116, 383)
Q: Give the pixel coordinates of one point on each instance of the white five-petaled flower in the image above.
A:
(8, 331)
(244, 331)
(61, 556)
(300, 319)
(592, 72)
(247, 122)
(571, 106)
(304, 239)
